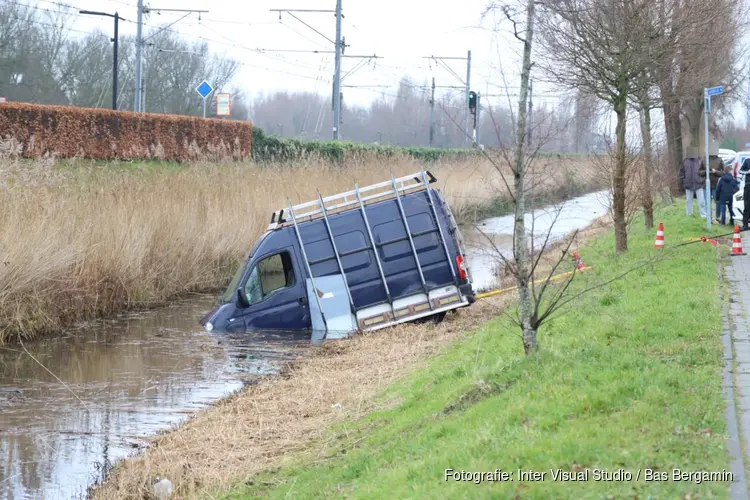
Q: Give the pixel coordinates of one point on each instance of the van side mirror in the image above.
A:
(242, 302)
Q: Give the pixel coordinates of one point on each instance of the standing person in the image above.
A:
(725, 189)
(745, 195)
(717, 169)
(693, 181)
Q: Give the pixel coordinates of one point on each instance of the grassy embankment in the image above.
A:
(628, 378)
(86, 240)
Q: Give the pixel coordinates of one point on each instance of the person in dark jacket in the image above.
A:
(725, 189)
(746, 196)
(693, 181)
(716, 171)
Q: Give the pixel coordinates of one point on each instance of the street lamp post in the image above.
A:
(116, 16)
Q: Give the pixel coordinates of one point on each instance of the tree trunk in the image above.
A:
(647, 200)
(669, 130)
(520, 241)
(695, 120)
(678, 142)
(673, 129)
(618, 184)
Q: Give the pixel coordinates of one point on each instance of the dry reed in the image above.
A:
(86, 241)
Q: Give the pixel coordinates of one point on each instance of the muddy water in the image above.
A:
(71, 407)
(494, 237)
(114, 382)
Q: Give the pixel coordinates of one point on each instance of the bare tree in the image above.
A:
(700, 42)
(601, 47)
(520, 242)
(525, 261)
(644, 103)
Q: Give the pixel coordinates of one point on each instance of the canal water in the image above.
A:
(71, 407)
(493, 238)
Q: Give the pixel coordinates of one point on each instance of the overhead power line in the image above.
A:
(339, 50)
(440, 60)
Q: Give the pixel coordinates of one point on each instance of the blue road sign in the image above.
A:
(204, 89)
(715, 90)
(708, 104)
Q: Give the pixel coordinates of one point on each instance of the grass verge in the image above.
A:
(628, 380)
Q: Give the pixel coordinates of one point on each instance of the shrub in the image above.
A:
(102, 134)
(267, 148)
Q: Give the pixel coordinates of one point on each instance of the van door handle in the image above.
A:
(302, 300)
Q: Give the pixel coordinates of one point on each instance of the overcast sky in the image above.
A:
(401, 32)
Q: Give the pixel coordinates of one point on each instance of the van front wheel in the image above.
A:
(438, 318)
(433, 318)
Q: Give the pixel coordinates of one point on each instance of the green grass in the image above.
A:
(628, 378)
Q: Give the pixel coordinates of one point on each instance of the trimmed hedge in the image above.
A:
(102, 134)
(267, 148)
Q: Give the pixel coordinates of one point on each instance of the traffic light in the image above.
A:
(472, 100)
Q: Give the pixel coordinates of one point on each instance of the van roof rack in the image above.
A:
(322, 205)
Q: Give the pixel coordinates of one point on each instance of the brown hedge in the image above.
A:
(103, 134)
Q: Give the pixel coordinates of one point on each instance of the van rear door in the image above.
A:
(275, 290)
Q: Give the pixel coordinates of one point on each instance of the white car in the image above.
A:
(737, 162)
(727, 155)
(738, 203)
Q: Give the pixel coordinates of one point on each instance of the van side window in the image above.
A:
(269, 275)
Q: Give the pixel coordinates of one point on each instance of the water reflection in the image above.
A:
(114, 382)
(495, 235)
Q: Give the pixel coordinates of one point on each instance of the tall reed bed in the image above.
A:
(84, 240)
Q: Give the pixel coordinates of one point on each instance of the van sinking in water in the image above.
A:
(357, 261)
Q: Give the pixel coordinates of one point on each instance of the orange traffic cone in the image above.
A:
(577, 259)
(659, 243)
(737, 243)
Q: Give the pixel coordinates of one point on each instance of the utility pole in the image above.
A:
(340, 47)
(337, 77)
(468, 89)
(138, 56)
(117, 18)
(114, 63)
(478, 118)
(432, 113)
(440, 61)
(139, 43)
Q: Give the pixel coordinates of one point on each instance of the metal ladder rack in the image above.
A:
(348, 198)
(321, 207)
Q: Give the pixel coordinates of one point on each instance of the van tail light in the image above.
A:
(736, 164)
(461, 267)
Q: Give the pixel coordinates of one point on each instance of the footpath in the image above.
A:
(736, 379)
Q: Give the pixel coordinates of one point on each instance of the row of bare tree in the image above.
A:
(632, 56)
(403, 118)
(643, 55)
(43, 59)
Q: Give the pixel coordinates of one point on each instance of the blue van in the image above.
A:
(356, 261)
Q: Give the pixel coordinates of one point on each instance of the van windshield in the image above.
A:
(232, 288)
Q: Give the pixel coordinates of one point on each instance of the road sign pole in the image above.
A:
(204, 90)
(708, 168)
(707, 93)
